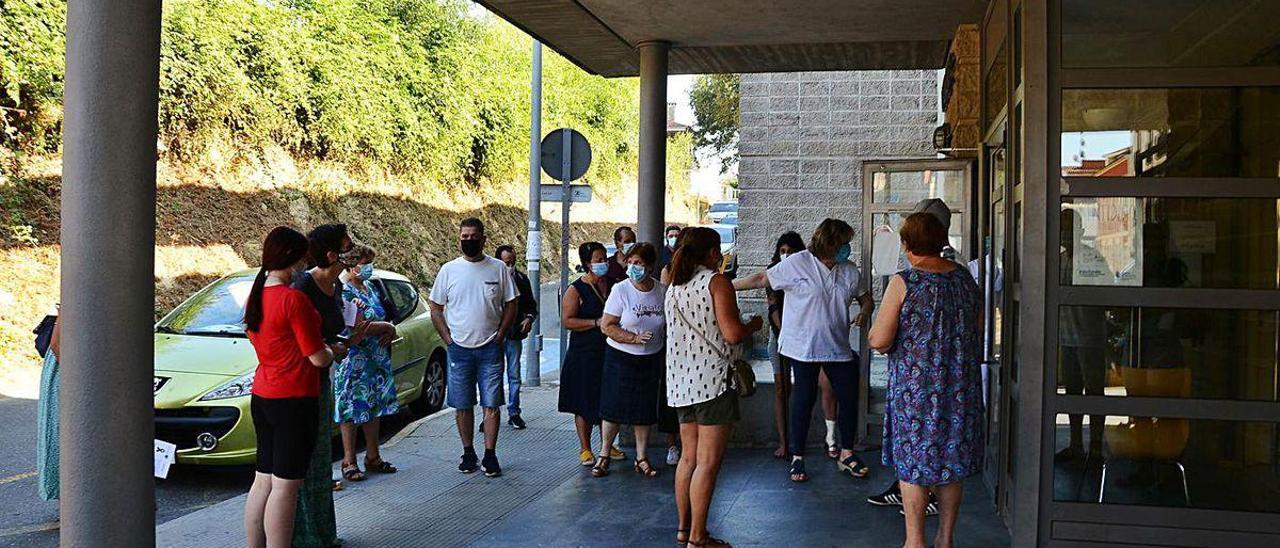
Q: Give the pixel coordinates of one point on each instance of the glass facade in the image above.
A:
(1163, 461)
(1171, 132)
(1170, 33)
(1170, 242)
(1167, 353)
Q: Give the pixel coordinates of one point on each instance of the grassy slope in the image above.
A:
(210, 222)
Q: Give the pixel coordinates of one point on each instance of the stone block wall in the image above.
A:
(802, 141)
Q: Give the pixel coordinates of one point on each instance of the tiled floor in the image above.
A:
(545, 498)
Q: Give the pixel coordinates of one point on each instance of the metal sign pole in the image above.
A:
(566, 177)
(533, 246)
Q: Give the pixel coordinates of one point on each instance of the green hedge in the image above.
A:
(435, 90)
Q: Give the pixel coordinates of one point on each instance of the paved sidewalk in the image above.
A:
(545, 498)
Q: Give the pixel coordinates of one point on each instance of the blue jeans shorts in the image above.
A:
(472, 368)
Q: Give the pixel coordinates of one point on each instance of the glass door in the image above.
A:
(891, 189)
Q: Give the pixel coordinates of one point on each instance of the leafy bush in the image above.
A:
(425, 88)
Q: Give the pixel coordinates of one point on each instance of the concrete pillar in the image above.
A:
(108, 258)
(651, 216)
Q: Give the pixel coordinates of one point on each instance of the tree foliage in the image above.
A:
(425, 88)
(714, 98)
(32, 46)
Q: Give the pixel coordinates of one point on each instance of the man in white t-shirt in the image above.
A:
(473, 304)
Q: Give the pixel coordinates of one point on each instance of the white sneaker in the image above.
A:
(673, 456)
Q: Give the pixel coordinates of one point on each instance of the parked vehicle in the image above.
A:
(204, 366)
(730, 219)
(719, 210)
(728, 248)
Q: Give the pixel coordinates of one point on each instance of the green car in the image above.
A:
(204, 367)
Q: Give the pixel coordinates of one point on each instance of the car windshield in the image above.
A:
(217, 310)
(726, 234)
(723, 207)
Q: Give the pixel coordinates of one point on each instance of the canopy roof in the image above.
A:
(718, 36)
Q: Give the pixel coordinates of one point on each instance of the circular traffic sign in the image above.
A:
(553, 154)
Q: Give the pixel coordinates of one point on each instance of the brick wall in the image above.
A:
(802, 142)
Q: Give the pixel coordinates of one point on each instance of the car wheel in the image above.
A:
(433, 386)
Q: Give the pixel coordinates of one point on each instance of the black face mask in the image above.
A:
(472, 248)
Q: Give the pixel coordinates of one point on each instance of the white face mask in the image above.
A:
(783, 256)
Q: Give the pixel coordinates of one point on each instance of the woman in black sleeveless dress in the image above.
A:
(580, 312)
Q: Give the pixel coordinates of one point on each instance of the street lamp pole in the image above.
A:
(533, 249)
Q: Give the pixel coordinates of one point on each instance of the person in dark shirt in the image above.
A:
(623, 238)
(315, 523)
(526, 311)
(668, 248)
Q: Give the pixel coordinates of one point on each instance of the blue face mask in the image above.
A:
(635, 272)
(599, 269)
(626, 248)
(843, 252)
(366, 272)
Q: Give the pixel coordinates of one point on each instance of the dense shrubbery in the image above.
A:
(431, 90)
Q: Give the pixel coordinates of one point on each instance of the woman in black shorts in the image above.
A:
(285, 331)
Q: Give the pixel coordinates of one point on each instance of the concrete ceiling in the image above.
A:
(709, 36)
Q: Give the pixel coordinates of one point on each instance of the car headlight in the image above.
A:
(239, 386)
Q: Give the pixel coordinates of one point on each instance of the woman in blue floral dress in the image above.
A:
(364, 387)
(930, 327)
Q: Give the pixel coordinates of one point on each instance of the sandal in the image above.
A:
(682, 533)
(351, 472)
(601, 468)
(379, 467)
(833, 452)
(710, 541)
(854, 467)
(797, 473)
(645, 469)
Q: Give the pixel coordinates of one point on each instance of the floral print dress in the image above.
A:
(934, 414)
(364, 387)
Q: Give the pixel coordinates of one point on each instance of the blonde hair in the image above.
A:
(830, 235)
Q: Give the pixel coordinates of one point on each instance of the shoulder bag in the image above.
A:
(741, 376)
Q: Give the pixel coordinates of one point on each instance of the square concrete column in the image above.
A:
(108, 269)
(651, 216)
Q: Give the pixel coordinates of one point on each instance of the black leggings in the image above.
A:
(804, 392)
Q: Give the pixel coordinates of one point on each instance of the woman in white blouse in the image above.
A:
(702, 325)
(821, 285)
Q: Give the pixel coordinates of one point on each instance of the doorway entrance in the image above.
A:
(890, 190)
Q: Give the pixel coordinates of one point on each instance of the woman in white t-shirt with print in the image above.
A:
(821, 284)
(635, 358)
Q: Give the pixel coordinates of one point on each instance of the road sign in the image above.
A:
(577, 193)
(554, 151)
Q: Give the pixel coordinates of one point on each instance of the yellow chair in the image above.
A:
(1151, 438)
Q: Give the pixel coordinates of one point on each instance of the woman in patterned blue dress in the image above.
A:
(364, 387)
(930, 327)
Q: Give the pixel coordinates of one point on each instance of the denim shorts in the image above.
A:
(472, 368)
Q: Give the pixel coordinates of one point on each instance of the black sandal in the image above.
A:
(645, 469)
(854, 467)
(797, 471)
(601, 468)
(351, 472)
(379, 467)
(685, 534)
